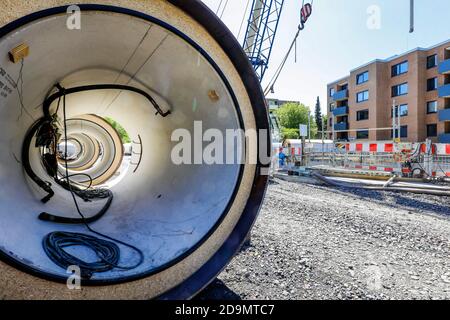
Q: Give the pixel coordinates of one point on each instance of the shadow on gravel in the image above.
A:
(217, 291)
(360, 193)
(400, 200)
(274, 182)
(405, 202)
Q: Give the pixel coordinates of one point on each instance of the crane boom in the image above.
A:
(261, 31)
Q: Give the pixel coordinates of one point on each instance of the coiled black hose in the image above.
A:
(108, 252)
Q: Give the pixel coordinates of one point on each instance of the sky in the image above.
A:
(337, 39)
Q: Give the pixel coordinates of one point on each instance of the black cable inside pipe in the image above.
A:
(59, 94)
(45, 216)
(46, 121)
(46, 186)
(55, 242)
(108, 252)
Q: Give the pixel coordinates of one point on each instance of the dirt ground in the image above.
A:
(316, 242)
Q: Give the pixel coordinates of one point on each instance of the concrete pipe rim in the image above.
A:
(200, 13)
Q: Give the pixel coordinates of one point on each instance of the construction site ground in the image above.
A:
(312, 241)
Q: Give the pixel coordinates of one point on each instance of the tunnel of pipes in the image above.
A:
(61, 88)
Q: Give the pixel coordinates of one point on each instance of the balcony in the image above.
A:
(444, 115)
(340, 95)
(343, 126)
(444, 67)
(444, 91)
(340, 111)
(444, 138)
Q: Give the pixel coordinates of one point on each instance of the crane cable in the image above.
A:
(293, 44)
(243, 19)
(224, 8)
(280, 68)
(218, 8)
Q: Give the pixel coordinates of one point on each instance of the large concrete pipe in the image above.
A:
(182, 65)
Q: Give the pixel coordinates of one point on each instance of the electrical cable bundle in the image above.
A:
(55, 243)
(47, 139)
(108, 252)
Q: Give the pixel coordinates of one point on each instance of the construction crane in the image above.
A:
(261, 31)
(265, 16)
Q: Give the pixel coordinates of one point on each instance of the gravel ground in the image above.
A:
(316, 242)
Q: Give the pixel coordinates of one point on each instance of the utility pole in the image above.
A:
(323, 141)
(396, 125)
(333, 135)
(309, 126)
(394, 121)
(399, 128)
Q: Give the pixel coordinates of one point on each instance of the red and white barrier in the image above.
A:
(373, 168)
(391, 156)
(440, 151)
(297, 151)
(370, 147)
(443, 149)
(367, 147)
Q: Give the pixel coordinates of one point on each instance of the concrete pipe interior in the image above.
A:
(168, 211)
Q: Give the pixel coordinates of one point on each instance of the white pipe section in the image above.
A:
(178, 215)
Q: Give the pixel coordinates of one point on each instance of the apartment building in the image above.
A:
(417, 82)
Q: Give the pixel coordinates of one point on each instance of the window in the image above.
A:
(400, 68)
(344, 87)
(331, 122)
(363, 134)
(432, 61)
(332, 107)
(404, 131)
(432, 130)
(400, 90)
(362, 96)
(432, 84)
(402, 110)
(332, 92)
(362, 77)
(362, 115)
(432, 107)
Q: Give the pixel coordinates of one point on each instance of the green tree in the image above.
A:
(325, 123)
(120, 130)
(318, 114)
(290, 116)
(290, 133)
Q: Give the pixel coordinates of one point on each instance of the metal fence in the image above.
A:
(442, 165)
(414, 162)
